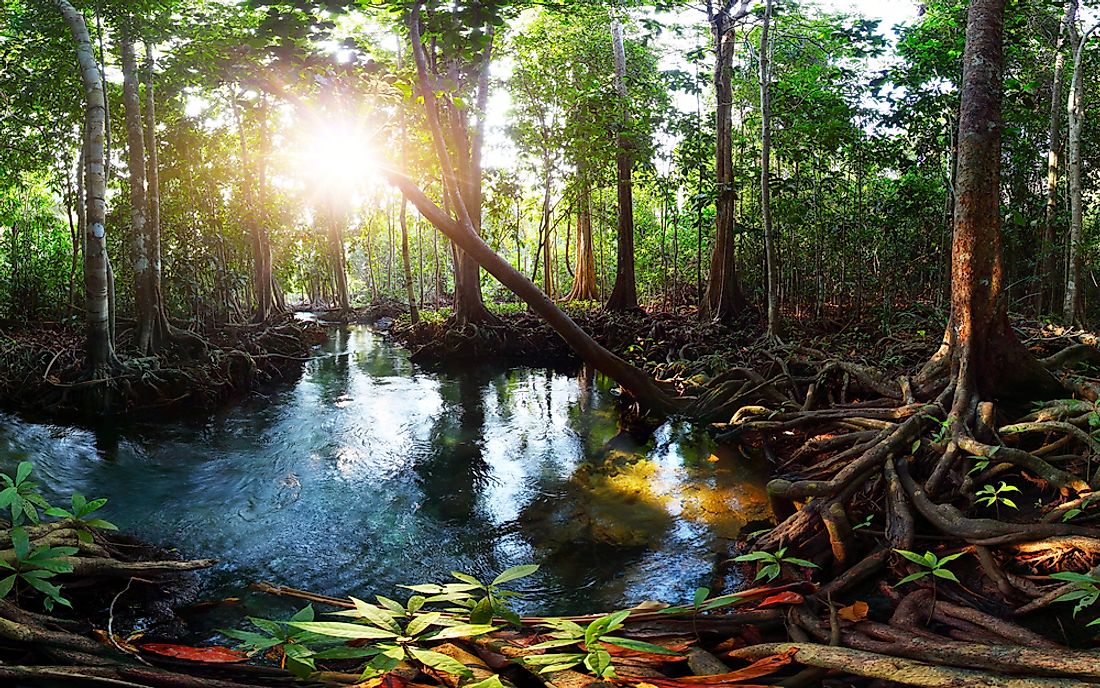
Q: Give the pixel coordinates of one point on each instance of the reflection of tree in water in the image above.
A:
(454, 476)
(607, 502)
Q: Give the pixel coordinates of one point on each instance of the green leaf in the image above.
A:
(951, 557)
(58, 512)
(491, 682)
(79, 503)
(440, 662)
(306, 613)
(553, 658)
(514, 573)
(912, 556)
(945, 573)
(912, 577)
(346, 652)
(392, 605)
(335, 629)
(599, 662)
(421, 622)
(554, 644)
(1073, 577)
(463, 631)
(800, 562)
(20, 542)
(482, 612)
(700, 596)
(23, 471)
(638, 645)
(466, 578)
(6, 584)
(101, 524)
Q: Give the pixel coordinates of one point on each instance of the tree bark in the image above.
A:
(635, 382)
(765, 175)
(584, 277)
(981, 350)
(724, 298)
(624, 295)
(1048, 263)
(1071, 304)
(99, 348)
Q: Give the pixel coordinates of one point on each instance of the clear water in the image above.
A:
(369, 472)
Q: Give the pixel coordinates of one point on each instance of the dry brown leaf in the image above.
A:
(856, 611)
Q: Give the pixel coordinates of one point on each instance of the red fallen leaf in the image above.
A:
(648, 657)
(781, 598)
(208, 655)
(763, 667)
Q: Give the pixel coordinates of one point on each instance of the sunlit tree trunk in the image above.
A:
(981, 352)
(99, 348)
(584, 277)
(765, 174)
(624, 294)
(1048, 262)
(724, 299)
(1071, 304)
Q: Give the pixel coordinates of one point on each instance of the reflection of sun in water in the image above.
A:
(337, 156)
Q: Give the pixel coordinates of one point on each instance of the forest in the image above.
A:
(563, 343)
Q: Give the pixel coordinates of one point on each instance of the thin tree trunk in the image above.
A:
(765, 175)
(1048, 262)
(624, 294)
(1071, 305)
(99, 348)
(584, 277)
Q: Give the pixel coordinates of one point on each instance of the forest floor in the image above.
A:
(979, 601)
(42, 372)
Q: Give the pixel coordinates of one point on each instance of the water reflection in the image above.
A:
(369, 472)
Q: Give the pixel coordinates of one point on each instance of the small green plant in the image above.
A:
(865, 523)
(982, 462)
(1077, 510)
(479, 602)
(35, 568)
(930, 564)
(773, 563)
(943, 427)
(994, 496)
(297, 657)
(21, 495)
(593, 640)
(81, 509)
(1086, 590)
(395, 634)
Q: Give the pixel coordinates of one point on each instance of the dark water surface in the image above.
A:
(369, 472)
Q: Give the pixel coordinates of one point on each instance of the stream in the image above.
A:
(369, 472)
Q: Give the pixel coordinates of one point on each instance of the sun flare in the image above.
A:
(337, 157)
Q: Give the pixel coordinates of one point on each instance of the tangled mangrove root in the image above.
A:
(43, 370)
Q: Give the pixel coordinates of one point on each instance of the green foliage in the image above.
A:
(1086, 591)
(772, 564)
(35, 568)
(21, 495)
(480, 602)
(82, 508)
(592, 640)
(930, 564)
(995, 496)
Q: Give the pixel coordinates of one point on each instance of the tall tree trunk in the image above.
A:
(99, 348)
(338, 259)
(152, 324)
(1071, 304)
(765, 175)
(584, 278)
(624, 295)
(1048, 262)
(980, 350)
(724, 298)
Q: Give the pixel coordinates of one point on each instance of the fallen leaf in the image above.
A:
(782, 598)
(105, 639)
(764, 667)
(856, 611)
(208, 655)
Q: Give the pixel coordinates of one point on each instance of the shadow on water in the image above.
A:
(369, 472)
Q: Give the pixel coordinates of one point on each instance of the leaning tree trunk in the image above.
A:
(624, 295)
(724, 299)
(981, 350)
(1071, 304)
(637, 383)
(584, 277)
(1048, 261)
(99, 348)
(765, 176)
